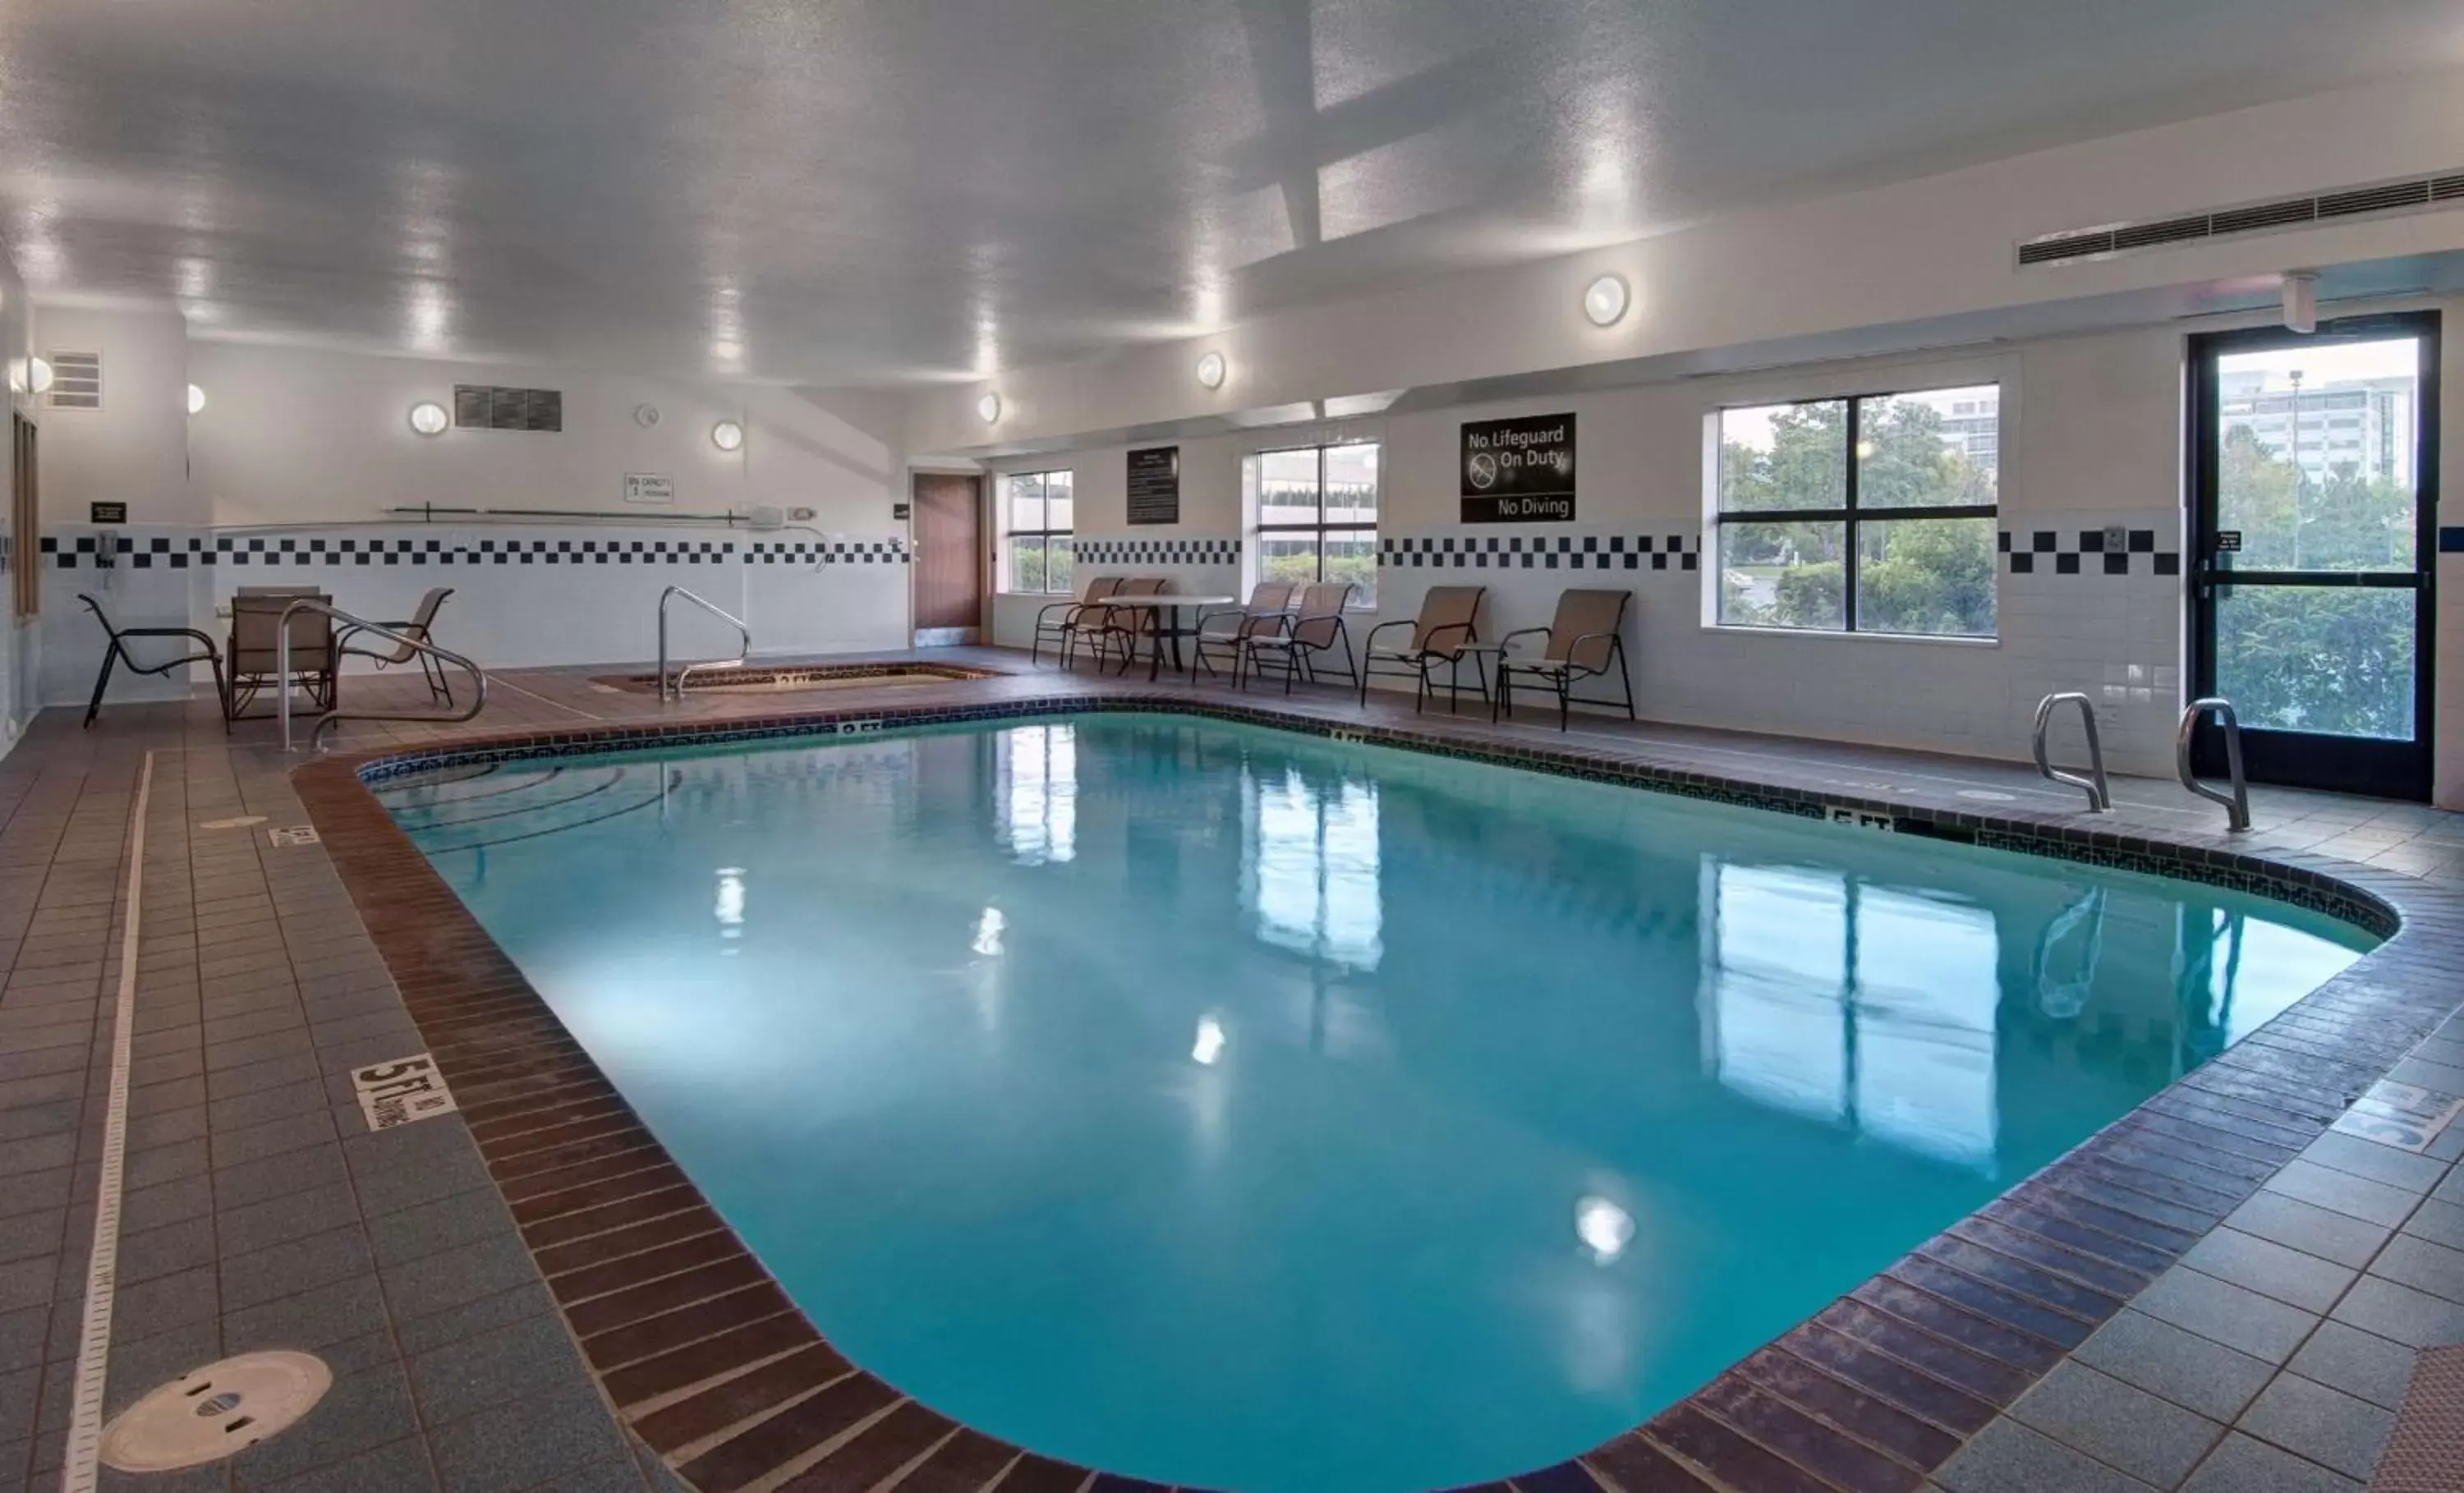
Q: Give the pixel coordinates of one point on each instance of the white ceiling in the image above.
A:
(888, 191)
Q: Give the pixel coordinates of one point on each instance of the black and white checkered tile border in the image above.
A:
(1159, 552)
(160, 550)
(2074, 551)
(1544, 552)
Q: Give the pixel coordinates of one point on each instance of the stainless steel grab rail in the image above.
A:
(2099, 797)
(282, 672)
(743, 648)
(2236, 803)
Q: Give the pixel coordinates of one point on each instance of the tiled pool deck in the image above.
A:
(2218, 1292)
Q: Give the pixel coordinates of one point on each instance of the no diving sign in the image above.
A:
(1519, 470)
(400, 1091)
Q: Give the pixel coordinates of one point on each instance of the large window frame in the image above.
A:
(1852, 514)
(1319, 530)
(1047, 537)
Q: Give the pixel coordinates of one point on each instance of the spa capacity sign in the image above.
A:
(1155, 485)
(1519, 470)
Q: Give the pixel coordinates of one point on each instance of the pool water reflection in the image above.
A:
(1235, 1108)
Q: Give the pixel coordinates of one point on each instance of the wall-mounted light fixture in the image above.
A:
(1211, 369)
(727, 435)
(1604, 300)
(38, 377)
(2302, 301)
(196, 400)
(989, 407)
(427, 417)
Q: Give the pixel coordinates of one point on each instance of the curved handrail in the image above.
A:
(282, 672)
(2236, 803)
(744, 647)
(2099, 797)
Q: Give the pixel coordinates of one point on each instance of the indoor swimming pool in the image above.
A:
(1240, 1108)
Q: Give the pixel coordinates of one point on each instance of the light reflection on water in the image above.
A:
(1447, 1119)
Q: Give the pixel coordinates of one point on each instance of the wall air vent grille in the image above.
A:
(76, 382)
(2411, 194)
(486, 406)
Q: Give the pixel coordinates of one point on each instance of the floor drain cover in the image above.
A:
(1988, 796)
(215, 1412)
(236, 821)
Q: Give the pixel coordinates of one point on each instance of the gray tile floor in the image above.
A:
(259, 1211)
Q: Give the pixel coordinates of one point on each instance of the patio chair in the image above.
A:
(423, 619)
(1125, 624)
(1585, 641)
(1447, 626)
(1223, 629)
(255, 651)
(1298, 637)
(1061, 620)
(115, 652)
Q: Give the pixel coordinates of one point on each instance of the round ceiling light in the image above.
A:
(1604, 300)
(727, 435)
(38, 377)
(989, 407)
(196, 400)
(427, 417)
(1211, 369)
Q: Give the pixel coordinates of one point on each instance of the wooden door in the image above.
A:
(949, 557)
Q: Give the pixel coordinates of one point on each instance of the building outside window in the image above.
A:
(1036, 540)
(1890, 529)
(1313, 515)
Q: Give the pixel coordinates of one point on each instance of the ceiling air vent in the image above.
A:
(76, 382)
(487, 407)
(2411, 194)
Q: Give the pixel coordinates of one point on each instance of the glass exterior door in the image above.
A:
(2314, 465)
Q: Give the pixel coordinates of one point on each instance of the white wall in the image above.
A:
(288, 473)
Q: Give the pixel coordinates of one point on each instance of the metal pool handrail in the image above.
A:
(2099, 797)
(743, 633)
(282, 672)
(2236, 803)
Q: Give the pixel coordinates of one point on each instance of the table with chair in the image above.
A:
(252, 658)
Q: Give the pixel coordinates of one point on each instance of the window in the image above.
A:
(1036, 515)
(1893, 530)
(1315, 512)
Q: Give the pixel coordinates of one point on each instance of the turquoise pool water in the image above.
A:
(1247, 1110)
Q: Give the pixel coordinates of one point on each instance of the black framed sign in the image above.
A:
(1155, 485)
(1519, 470)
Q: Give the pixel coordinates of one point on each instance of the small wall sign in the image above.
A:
(2227, 541)
(1519, 470)
(650, 487)
(107, 513)
(1155, 485)
(902, 510)
(402, 1091)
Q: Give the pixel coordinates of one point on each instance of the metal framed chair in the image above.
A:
(1062, 621)
(1586, 640)
(1222, 630)
(256, 650)
(1301, 636)
(1125, 624)
(1447, 624)
(421, 623)
(115, 652)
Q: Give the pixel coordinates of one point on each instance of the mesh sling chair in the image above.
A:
(115, 652)
(1224, 630)
(1062, 621)
(1125, 624)
(1298, 637)
(255, 649)
(1585, 642)
(1440, 634)
(423, 619)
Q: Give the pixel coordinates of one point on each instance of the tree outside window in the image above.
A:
(1037, 544)
(1892, 531)
(1315, 513)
